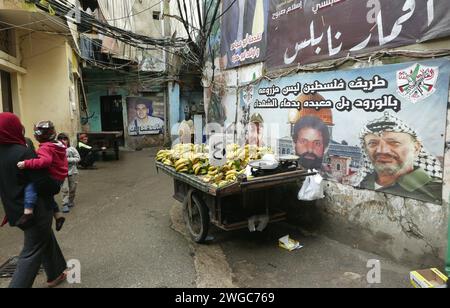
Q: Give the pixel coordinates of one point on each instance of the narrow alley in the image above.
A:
(127, 231)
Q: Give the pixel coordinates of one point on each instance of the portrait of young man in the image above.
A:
(311, 139)
(144, 123)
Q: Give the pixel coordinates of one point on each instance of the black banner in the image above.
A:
(302, 32)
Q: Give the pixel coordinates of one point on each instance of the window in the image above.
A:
(6, 91)
(6, 41)
(338, 167)
(156, 15)
(89, 4)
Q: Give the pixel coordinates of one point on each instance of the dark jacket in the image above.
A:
(13, 182)
(415, 185)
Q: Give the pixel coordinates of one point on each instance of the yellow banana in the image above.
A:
(180, 162)
(218, 177)
(213, 173)
(181, 167)
(231, 178)
(197, 169)
(231, 172)
(222, 183)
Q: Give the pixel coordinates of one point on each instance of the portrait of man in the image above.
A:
(311, 140)
(144, 123)
(396, 162)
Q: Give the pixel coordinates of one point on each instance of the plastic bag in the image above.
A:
(258, 223)
(312, 189)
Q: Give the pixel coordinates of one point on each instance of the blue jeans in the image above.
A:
(31, 197)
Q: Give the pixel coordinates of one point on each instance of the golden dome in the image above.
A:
(325, 114)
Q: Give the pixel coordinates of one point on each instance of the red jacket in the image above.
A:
(52, 156)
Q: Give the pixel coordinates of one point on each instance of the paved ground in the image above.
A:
(127, 231)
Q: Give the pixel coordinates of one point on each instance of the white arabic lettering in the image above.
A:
(398, 26)
(333, 51)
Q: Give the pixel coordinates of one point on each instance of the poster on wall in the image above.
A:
(302, 32)
(243, 32)
(381, 128)
(145, 117)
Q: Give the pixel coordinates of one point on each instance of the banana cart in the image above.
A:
(230, 207)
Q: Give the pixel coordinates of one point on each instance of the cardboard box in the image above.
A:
(428, 279)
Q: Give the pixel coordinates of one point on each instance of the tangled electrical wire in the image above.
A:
(63, 8)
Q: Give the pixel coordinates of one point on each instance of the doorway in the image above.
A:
(112, 114)
(5, 87)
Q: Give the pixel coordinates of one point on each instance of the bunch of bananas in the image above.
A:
(182, 165)
(165, 156)
(200, 163)
(192, 163)
(247, 153)
(227, 174)
(193, 159)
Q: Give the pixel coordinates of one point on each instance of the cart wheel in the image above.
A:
(196, 216)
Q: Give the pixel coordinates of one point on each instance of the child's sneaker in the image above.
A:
(66, 209)
(60, 223)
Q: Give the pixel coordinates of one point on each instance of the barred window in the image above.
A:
(4, 40)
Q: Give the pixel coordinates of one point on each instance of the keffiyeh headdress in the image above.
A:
(390, 123)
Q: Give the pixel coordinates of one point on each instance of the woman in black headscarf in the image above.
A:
(40, 245)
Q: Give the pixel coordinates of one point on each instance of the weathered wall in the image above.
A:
(404, 229)
(46, 86)
(43, 87)
(94, 94)
(147, 24)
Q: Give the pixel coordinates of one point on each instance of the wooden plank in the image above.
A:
(280, 175)
(237, 187)
(254, 185)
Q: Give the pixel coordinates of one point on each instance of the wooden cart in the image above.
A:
(229, 207)
(104, 142)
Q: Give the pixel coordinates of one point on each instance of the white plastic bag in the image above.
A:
(312, 188)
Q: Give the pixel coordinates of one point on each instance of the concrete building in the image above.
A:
(119, 73)
(39, 68)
